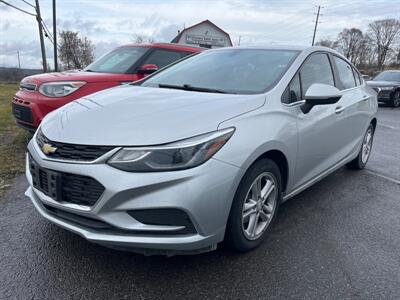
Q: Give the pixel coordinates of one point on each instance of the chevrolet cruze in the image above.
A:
(202, 152)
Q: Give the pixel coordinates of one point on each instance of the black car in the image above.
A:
(387, 84)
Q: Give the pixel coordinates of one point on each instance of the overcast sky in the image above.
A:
(109, 23)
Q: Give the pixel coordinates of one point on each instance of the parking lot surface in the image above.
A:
(338, 239)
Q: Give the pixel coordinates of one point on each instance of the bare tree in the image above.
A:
(384, 33)
(367, 53)
(74, 51)
(327, 43)
(142, 38)
(349, 43)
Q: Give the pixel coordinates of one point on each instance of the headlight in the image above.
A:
(61, 88)
(180, 155)
(386, 88)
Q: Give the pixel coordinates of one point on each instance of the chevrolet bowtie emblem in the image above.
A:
(47, 149)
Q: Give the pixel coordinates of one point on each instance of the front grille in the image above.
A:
(102, 226)
(79, 189)
(22, 113)
(27, 86)
(72, 151)
(65, 187)
(384, 94)
(81, 220)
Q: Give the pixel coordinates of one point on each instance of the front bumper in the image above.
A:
(385, 96)
(204, 193)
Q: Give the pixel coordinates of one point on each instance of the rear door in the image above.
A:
(353, 108)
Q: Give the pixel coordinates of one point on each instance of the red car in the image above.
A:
(40, 94)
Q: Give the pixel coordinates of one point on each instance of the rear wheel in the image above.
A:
(255, 206)
(396, 99)
(363, 156)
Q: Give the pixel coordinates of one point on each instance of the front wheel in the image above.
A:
(396, 99)
(255, 206)
(363, 156)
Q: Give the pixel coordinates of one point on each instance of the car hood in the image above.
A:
(137, 116)
(382, 83)
(76, 75)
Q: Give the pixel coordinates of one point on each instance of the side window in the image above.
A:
(293, 91)
(184, 54)
(358, 77)
(346, 75)
(316, 69)
(161, 57)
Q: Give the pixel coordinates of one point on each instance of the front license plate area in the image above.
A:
(46, 181)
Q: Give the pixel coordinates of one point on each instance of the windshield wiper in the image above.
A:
(88, 70)
(188, 87)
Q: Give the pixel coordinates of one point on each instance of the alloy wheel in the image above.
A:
(259, 206)
(367, 146)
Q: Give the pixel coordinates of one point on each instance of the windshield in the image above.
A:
(119, 60)
(238, 71)
(388, 76)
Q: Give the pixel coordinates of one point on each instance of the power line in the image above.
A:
(21, 10)
(46, 29)
(29, 4)
(49, 36)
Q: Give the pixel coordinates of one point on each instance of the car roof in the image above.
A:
(167, 46)
(305, 50)
(395, 71)
(282, 47)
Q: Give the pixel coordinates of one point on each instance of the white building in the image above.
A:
(204, 34)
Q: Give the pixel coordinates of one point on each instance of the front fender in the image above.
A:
(258, 132)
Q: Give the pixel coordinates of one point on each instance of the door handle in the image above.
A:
(339, 109)
(365, 98)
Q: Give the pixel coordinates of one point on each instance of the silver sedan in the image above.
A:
(202, 151)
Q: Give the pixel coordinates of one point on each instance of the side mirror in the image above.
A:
(147, 69)
(320, 94)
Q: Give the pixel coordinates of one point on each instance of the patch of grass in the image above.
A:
(13, 140)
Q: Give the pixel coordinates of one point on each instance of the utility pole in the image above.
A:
(316, 24)
(55, 36)
(39, 20)
(19, 61)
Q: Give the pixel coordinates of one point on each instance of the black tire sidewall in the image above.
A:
(234, 233)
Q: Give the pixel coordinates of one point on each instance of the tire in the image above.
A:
(362, 158)
(240, 234)
(396, 99)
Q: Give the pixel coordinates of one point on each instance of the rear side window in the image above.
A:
(345, 71)
(316, 69)
(162, 57)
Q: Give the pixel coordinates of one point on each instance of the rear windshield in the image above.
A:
(238, 71)
(119, 60)
(388, 76)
